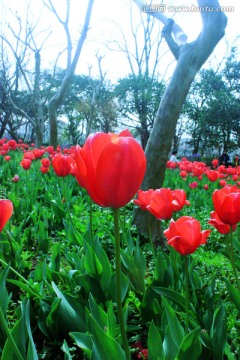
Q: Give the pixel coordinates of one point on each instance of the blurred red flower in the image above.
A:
(26, 163)
(62, 165)
(45, 162)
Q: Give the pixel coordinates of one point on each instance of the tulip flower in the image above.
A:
(221, 227)
(15, 179)
(110, 167)
(226, 203)
(179, 199)
(26, 163)
(185, 235)
(6, 210)
(45, 162)
(161, 204)
(143, 198)
(62, 165)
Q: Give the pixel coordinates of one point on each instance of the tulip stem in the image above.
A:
(150, 237)
(232, 260)
(186, 293)
(9, 336)
(118, 284)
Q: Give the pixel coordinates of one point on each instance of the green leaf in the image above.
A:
(175, 328)
(105, 347)
(66, 351)
(4, 297)
(83, 341)
(55, 258)
(70, 314)
(98, 313)
(112, 287)
(91, 262)
(22, 335)
(154, 342)
(233, 292)
(190, 347)
(177, 298)
(218, 332)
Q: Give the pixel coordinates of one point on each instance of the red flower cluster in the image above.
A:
(162, 202)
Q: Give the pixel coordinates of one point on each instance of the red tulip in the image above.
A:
(179, 199)
(26, 163)
(193, 185)
(6, 210)
(12, 144)
(185, 235)
(110, 167)
(45, 162)
(161, 204)
(44, 169)
(143, 199)
(16, 178)
(219, 225)
(7, 158)
(62, 165)
(226, 203)
(212, 175)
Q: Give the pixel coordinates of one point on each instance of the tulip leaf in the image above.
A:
(112, 287)
(83, 341)
(190, 347)
(98, 313)
(22, 335)
(175, 328)
(104, 346)
(106, 266)
(177, 298)
(154, 342)
(233, 292)
(4, 297)
(91, 262)
(169, 346)
(70, 315)
(218, 332)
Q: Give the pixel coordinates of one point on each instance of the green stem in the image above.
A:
(118, 284)
(9, 335)
(232, 260)
(150, 237)
(91, 218)
(186, 293)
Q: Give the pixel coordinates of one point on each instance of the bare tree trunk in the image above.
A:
(58, 98)
(191, 57)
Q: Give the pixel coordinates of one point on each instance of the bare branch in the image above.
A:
(179, 35)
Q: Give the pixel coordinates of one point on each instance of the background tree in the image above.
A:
(212, 108)
(72, 61)
(190, 57)
(139, 92)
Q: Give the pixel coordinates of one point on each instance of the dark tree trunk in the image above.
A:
(191, 57)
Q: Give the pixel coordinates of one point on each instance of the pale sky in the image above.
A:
(103, 29)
